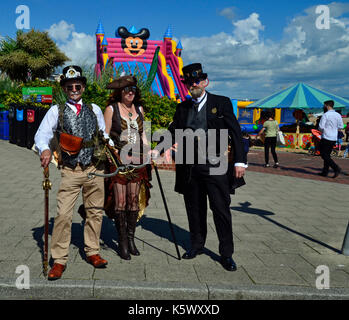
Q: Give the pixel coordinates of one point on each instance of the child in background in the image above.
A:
(347, 131)
(340, 137)
(346, 151)
(247, 142)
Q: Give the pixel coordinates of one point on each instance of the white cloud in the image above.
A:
(79, 47)
(241, 63)
(228, 13)
(61, 31)
(247, 31)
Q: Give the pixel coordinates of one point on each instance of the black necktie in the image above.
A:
(196, 106)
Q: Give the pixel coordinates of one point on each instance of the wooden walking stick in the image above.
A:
(166, 208)
(46, 185)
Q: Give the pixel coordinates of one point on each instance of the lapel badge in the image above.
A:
(214, 110)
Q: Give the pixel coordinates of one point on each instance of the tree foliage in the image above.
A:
(158, 110)
(31, 55)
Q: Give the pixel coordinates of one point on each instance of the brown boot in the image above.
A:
(120, 224)
(131, 228)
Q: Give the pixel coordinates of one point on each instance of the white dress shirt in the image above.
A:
(201, 101)
(331, 121)
(49, 125)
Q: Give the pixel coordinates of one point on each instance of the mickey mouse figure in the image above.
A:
(133, 42)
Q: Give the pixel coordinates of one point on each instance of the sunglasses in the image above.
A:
(130, 89)
(190, 82)
(76, 86)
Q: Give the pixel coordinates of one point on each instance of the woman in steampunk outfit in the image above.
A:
(124, 119)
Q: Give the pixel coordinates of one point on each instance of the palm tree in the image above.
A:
(31, 55)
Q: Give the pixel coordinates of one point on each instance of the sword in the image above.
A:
(46, 185)
(166, 208)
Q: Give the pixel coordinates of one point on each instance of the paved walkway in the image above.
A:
(297, 164)
(285, 226)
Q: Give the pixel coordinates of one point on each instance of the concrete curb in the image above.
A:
(123, 290)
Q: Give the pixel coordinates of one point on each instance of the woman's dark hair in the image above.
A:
(116, 95)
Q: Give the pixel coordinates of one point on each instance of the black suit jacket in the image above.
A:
(220, 115)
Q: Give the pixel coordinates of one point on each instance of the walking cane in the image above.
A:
(46, 185)
(166, 208)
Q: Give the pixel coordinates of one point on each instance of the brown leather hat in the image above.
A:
(122, 82)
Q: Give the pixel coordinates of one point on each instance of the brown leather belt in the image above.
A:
(83, 167)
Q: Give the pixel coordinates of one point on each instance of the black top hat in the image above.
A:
(72, 73)
(193, 72)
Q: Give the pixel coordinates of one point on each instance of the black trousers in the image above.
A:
(326, 147)
(201, 185)
(270, 143)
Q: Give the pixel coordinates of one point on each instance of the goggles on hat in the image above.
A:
(130, 89)
(190, 82)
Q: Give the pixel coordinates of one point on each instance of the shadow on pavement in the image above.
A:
(161, 228)
(245, 208)
(77, 238)
(109, 236)
(302, 170)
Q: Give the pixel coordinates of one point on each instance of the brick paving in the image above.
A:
(297, 164)
(286, 223)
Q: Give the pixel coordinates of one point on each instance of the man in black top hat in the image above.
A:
(207, 172)
(76, 120)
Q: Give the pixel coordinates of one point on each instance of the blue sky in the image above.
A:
(249, 48)
(188, 17)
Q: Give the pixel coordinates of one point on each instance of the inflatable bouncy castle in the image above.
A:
(131, 51)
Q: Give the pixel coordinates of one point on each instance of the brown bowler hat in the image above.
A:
(122, 82)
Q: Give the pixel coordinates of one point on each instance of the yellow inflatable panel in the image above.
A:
(278, 115)
(244, 103)
(164, 72)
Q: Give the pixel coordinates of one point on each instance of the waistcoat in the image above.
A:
(84, 126)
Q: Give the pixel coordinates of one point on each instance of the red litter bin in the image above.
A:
(31, 126)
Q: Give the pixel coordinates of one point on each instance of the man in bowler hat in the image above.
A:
(197, 179)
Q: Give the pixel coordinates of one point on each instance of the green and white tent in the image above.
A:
(300, 96)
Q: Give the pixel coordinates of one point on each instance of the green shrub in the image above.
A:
(158, 110)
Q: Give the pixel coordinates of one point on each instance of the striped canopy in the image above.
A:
(299, 96)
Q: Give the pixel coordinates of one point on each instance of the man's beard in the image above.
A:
(196, 92)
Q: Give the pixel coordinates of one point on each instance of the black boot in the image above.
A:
(120, 224)
(131, 228)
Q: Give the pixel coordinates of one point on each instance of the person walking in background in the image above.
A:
(346, 151)
(340, 137)
(330, 123)
(347, 132)
(271, 128)
(247, 143)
